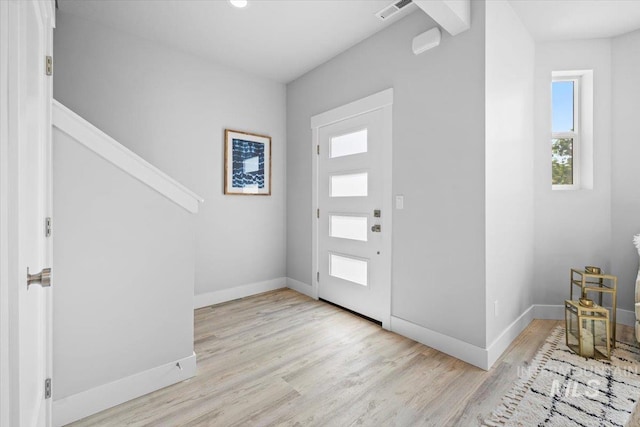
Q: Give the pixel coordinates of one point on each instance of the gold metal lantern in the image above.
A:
(588, 330)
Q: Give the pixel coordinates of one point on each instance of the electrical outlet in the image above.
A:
(495, 308)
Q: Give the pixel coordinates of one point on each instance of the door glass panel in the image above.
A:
(348, 227)
(349, 185)
(351, 143)
(351, 269)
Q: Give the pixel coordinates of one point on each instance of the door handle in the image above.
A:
(43, 278)
(376, 228)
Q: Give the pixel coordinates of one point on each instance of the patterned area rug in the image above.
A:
(560, 388)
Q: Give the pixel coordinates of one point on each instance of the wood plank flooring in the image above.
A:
(281, 358)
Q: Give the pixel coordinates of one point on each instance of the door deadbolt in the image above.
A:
(43, 278)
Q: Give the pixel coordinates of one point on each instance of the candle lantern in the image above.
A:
(587, 329)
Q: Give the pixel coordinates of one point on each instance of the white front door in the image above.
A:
(354, 215)
(27, 93)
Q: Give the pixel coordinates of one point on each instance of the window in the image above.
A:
(347, 268)
(348, 144)
(565, 132)
(349, 227)
(349, 185)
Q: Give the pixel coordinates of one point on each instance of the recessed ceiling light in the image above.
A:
(239, 3)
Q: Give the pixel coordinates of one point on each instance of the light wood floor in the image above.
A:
(282, 358)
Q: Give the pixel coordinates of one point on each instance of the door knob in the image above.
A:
(376, 228)
(43, 278)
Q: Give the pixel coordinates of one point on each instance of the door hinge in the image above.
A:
(47, 388)
(48, 65)
(317, 213)
(318, 276)
(318, 149)
(47, 226)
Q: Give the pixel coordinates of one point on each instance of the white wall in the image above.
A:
(124, 272)
(625, 185)
(171, 108)
(572, 228)
(510, 54)
(438, 165)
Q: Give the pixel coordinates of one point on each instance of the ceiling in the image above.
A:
(553, 20)
(283, 39)
(276, 39)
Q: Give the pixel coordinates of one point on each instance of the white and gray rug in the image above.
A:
(560, 388)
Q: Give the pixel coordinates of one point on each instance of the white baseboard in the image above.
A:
(469, 353)
(556, 312)
(504, 340)
(81, 405)
(481, 357)
(224, 295)
(301, 287)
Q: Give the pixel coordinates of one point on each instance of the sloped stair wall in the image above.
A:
(124, 257)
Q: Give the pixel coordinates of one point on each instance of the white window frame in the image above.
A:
(575, 134)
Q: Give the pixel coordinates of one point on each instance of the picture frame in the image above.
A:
(247, 163)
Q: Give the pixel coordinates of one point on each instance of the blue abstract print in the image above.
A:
(248, 164)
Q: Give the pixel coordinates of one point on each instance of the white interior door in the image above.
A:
(34, 158)
(27, 194)
(354, 221)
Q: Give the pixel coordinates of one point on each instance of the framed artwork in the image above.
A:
(247, 163)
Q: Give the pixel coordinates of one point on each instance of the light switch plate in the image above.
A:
(399, 201)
